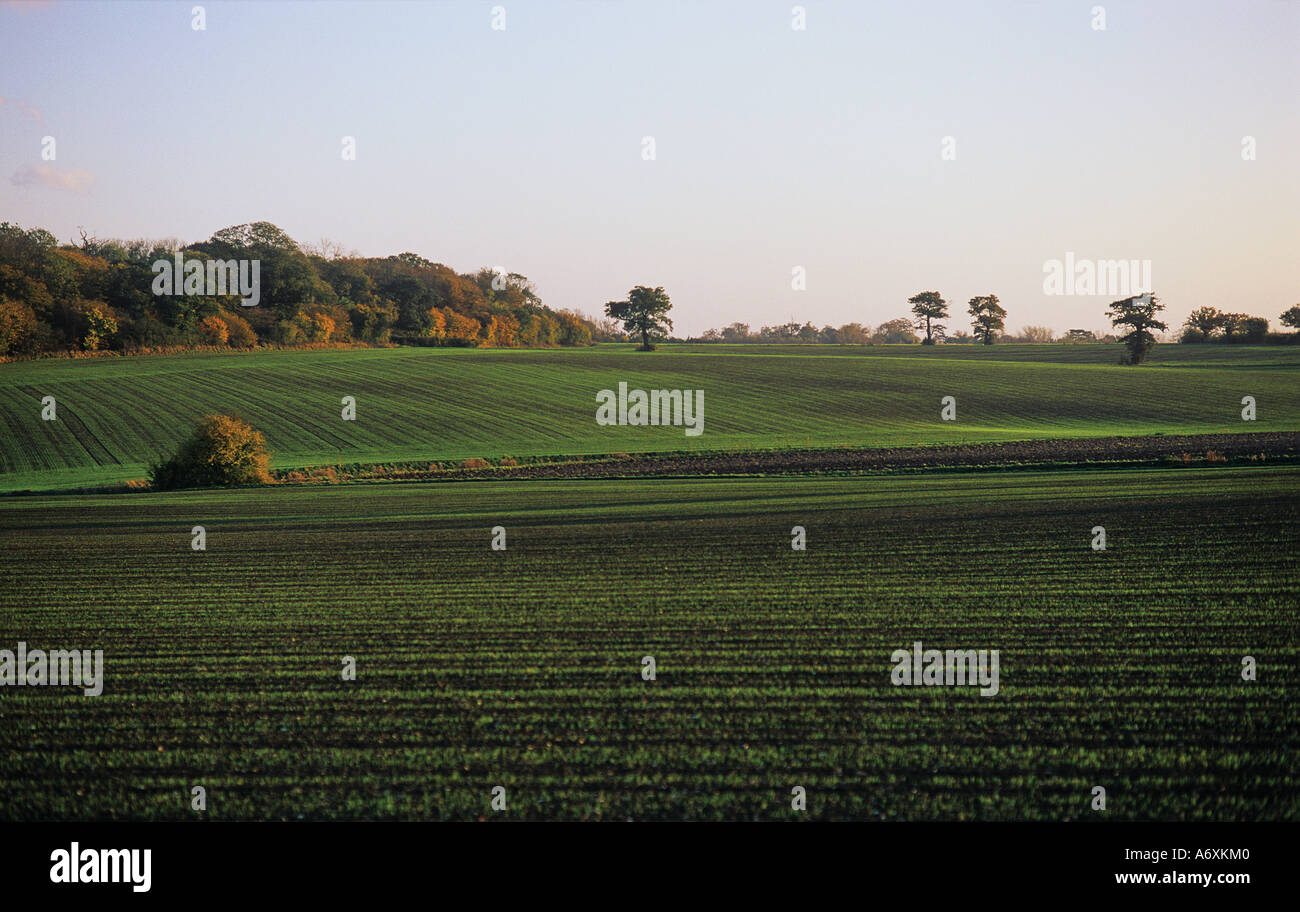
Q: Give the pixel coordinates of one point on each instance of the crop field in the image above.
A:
(115, 416)
(522, 668)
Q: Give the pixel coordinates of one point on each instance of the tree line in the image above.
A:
(1208, 324)
(988, 320)
(1136, 317)
(101, 295)
(892, 332)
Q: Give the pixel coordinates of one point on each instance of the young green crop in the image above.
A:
(115, 416)
(521, 667)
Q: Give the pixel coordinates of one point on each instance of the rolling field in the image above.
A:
(521, 668)
(115, 416)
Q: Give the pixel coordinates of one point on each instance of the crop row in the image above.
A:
(522, 668)
(428, 404)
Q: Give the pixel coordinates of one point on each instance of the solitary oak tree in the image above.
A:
(1139, 314)
(988, 317)
(928, 306)
(644, 314)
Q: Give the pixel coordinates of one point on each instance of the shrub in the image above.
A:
(223, 451)
(313, 327)
(99, 326)
(240, 333)
(287, 332)
(17, 324)
(214, 330)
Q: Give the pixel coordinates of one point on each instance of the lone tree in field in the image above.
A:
(927, 306)
(223, 451)
(988, 318)
(644, 314)
(1139, 314)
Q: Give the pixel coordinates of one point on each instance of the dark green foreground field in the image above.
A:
(521, 668)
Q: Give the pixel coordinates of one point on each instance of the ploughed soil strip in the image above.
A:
(1191, 449)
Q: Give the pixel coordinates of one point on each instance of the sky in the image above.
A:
(883, 149)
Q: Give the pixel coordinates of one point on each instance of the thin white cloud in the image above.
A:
(45, 174)
(30, 110)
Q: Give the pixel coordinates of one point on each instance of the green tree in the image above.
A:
(644, 314)
(1202, 322)
(854, 334)
(736, 332)
(1291, 317)
(1231, 324)
(1252, 330)
(896, 332)
(929, 306)
(413, 301)
(1138, 313)
(286, 276)
(988, 318)
(256, 234)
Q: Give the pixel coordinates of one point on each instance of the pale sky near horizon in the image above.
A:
(774, 147)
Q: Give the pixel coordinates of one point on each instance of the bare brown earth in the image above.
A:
(1199, 449)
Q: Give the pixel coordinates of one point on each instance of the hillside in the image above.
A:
(253, 285)
(116, 415)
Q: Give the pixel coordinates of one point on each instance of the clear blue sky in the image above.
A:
(775, 147)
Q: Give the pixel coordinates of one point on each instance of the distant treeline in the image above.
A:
(105, 295)
(1207, 324)
(1204, 325)
(894, 332)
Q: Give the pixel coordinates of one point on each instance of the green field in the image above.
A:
(115, 416)
(521, 668)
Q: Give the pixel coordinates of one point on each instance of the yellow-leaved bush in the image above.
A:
(224, 450)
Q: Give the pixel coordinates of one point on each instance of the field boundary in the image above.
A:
(1170, 451)
(1076, 452)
